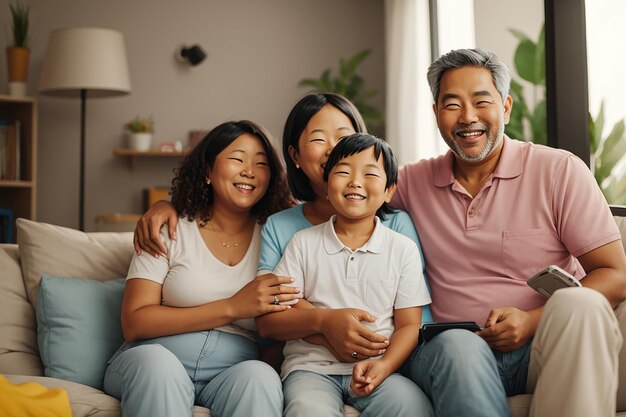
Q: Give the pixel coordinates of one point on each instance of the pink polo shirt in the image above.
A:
(541, 206)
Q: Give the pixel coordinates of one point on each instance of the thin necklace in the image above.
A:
(225, 244)
(230, 245)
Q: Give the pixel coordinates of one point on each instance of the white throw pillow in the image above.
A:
(64, 252)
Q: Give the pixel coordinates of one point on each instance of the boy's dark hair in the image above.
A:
(302, 112)
(192, 197)
(357, 143)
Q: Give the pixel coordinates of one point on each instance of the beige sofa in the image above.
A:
(63, 252)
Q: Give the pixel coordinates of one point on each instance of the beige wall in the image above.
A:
(494, 18)
(257, 52)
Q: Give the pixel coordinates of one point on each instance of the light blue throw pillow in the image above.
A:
(78, 327)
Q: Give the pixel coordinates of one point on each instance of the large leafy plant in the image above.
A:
(606, 153)
(349, 84)
(529, 119)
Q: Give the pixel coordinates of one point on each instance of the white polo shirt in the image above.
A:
(382, 275)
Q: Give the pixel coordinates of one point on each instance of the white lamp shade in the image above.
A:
(93, 59)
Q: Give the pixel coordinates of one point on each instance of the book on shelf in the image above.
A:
(3, 149)
(10, 150)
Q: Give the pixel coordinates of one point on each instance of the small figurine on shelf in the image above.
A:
(141, 130)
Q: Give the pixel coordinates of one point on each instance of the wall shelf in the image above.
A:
(133, 155)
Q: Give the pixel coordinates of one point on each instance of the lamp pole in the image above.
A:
(81, 212)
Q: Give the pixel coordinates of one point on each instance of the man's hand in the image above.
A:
(346, 334)
(367, 375)
(509, 328)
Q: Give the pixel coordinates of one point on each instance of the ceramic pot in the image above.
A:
(17, 65)
(17, 62)
(140, 141)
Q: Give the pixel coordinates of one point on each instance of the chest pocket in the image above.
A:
(523, 252)
(379, 294)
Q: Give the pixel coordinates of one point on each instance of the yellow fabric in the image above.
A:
(31, 399)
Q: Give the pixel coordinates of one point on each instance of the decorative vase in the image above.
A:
(140, 141)
(17, 65)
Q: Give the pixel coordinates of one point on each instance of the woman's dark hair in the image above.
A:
(298, 118)
(192, 197)
(357, 143)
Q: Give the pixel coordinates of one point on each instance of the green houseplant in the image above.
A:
(529, 119)
(141, 130)
(20, 21)
(18, 53)
(141, 125)
(530, 64)
(606, 153)
(349, 84)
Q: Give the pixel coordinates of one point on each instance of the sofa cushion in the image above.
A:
(78, 327)
(86, 401)
(64, 252)
(18, 339)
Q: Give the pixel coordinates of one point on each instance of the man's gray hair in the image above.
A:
(470, 57)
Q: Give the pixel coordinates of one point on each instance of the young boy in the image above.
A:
(353, 261)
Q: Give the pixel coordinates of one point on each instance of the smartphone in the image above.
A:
(430, 330)
(550, 279)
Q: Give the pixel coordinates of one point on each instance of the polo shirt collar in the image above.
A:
(511, 159)
(509, 165)
(333, 245)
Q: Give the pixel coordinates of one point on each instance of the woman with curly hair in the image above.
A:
(188, 317)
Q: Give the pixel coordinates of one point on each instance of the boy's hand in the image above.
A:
(367, 375)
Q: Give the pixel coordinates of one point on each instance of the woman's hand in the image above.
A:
(258, 296)
(148, 230)
(349, 338)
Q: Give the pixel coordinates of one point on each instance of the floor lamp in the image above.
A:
(81, 62)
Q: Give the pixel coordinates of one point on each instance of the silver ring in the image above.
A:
(276, 300)
(354, 355)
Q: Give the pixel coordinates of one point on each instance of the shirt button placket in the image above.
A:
(352, 267)
(472, 217)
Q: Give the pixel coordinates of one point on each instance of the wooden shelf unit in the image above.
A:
(133, 155)
(20, 196)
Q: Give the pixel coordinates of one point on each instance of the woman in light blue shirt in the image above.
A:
(314, 126)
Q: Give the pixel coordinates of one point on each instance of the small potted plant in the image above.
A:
(18, 52)
(141, 130)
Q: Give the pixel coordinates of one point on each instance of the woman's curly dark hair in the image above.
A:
(192, 197)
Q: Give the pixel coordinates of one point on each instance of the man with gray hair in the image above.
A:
(491, 213)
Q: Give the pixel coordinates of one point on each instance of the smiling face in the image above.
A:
(319, 137)
(470, 113)
(240, 175)
(356, 185)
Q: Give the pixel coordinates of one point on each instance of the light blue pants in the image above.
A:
(166, 376)
(309, 394)
(463, 376)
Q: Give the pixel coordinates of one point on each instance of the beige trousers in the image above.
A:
(573, 370)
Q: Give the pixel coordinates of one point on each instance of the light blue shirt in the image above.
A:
(280, 228)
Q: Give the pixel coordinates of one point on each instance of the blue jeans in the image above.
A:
(463, 376)
(309, 394)
(167, 375)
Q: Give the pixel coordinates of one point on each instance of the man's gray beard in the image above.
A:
(490, 146)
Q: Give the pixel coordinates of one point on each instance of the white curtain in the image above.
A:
(410, 124)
